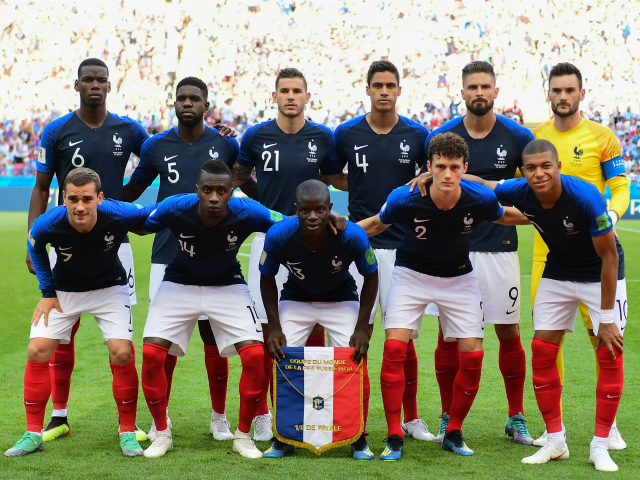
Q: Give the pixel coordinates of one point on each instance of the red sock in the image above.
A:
(366, 393)
(125, 393)
(315, 340)
(169, 366)
(37, 390)
(251, 385)
(62, 363)
(608, 390)
(263, 404)
(410, 397)
(218, 373)
(447, 364)
(154, 382)
(513, 366)
(465, 388)
(546, 382)
(392, 384)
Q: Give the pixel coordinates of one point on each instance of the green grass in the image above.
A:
(92, 450)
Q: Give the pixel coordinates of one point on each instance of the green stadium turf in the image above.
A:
(92, 450)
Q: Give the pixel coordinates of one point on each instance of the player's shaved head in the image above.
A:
(312, 188)
(540, 146)
(79, 177)
(194, 82)
(215, 167)
(92, 62)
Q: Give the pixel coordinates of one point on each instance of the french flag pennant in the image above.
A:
(317, 397)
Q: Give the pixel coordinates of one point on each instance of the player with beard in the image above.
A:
(285, 152)
(177, 155)
(95, 138)
(589, 151)
(495, 153)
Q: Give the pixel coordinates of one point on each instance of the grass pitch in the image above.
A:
(92, 450)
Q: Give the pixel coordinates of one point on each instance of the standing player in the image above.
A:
(86, 233)
(432, 265)
(382, 150)
(177, 155)
(495, 153)
(285, 152)
(320, 288)
(95, 138)
(204, 278)
(582, 266)
(591, 152)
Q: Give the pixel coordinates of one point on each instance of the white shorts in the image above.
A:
(110, 306)
(499, 280)
(386, 259)
(458, 298)
(175, 310)
(156, 276)
(557, 304)
(338, 318)
(125, 254)
(254, 275)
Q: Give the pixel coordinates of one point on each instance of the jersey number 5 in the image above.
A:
(266, 156)
(173, 170)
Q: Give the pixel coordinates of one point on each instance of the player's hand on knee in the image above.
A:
(337, 223)
(32, 270)
(421, 182)
(360, 341)
(45, 305)
(609, 335)
(276, 340)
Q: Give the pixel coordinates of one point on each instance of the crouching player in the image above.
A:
(582, 266)
(86, 233)
(433, 266)
(204, 278)
(320, 289)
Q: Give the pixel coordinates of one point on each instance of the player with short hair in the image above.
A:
(495, 153)
(591, 152)
(95, 138)
(319, 289)
(382, 150)
(177, 155)
(86, 233)
(432, 265)
(582, 266)
(204, 279)
(285, 152)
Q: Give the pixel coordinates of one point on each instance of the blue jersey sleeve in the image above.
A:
(356, 240)
(245, 157)
(168, 209)
(397, 202)
(338, 137)
(591, 204)
(485, 197)
(257, 217)
(139, 133)
(441, 129)
(128, 214)
(331, 164)
(234, 146)
(613, 168)
(276, 237)
(145, 173)
(522, 134)
(48, 156)
(512, 190)
(37, 246)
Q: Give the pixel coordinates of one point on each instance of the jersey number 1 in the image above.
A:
(266, 156)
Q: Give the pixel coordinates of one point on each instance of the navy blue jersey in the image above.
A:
(283, 161)
(494, 157)
(178, 164)
(86, 261)
(377, 165)
(206, 256)
(436, 241)
(579, 214)
(321, 275)
(69, 143)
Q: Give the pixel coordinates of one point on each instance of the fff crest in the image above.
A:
(318, 403)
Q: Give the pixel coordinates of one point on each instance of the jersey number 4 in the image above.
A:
(364, 163)
(266, 156)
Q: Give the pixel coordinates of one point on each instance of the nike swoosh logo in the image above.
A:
(613, 396)
(30, 403)
(186, 236)
(153, 403)
(420, 221)
(75, 143)
(166, 159)
(411, 383)
(510, 312)
(66, 248)
(537, 387)
(264, 145)
(54, 364)
(123, 402)
(467, 393)
(355, 147)
(440, 371)
(514, 376)
(224, 376)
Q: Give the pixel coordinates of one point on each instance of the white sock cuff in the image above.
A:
(59, 413)
(217, 416)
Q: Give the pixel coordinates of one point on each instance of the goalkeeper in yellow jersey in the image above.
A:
(589, 151)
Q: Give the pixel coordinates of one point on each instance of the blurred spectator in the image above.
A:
(634, 176)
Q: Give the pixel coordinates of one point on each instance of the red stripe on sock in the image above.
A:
(447, 364)
(546, 382)
(267, 362)
(37, 389)
(392, 384)
(169, 367)
(410, 397)
(125, 393)
(218, 374)
(513, 366)
(154, 382)
(609, 389)
(251, 384)
(465, 388)
(62, 362)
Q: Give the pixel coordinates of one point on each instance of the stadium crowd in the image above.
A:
(332, 42)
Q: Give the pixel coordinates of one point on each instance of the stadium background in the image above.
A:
(237, 47)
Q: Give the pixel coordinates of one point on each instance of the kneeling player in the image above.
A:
(86, 233)
(320, 289)
(433, 266)
(582, 266)
(204, 278)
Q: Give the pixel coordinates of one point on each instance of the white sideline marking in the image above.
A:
(244, 254)
(626, 229)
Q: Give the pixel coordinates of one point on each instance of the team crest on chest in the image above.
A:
(576, 161)
(313, 148)
(337, 266)
(468, 221)
(569, 226)
(404, 152)
(109, 239)
(232, 239)
(501, 160)
(117, 145)
(213, 154)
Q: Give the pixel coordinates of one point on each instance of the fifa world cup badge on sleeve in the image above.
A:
(370, 256)
(317, 398)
